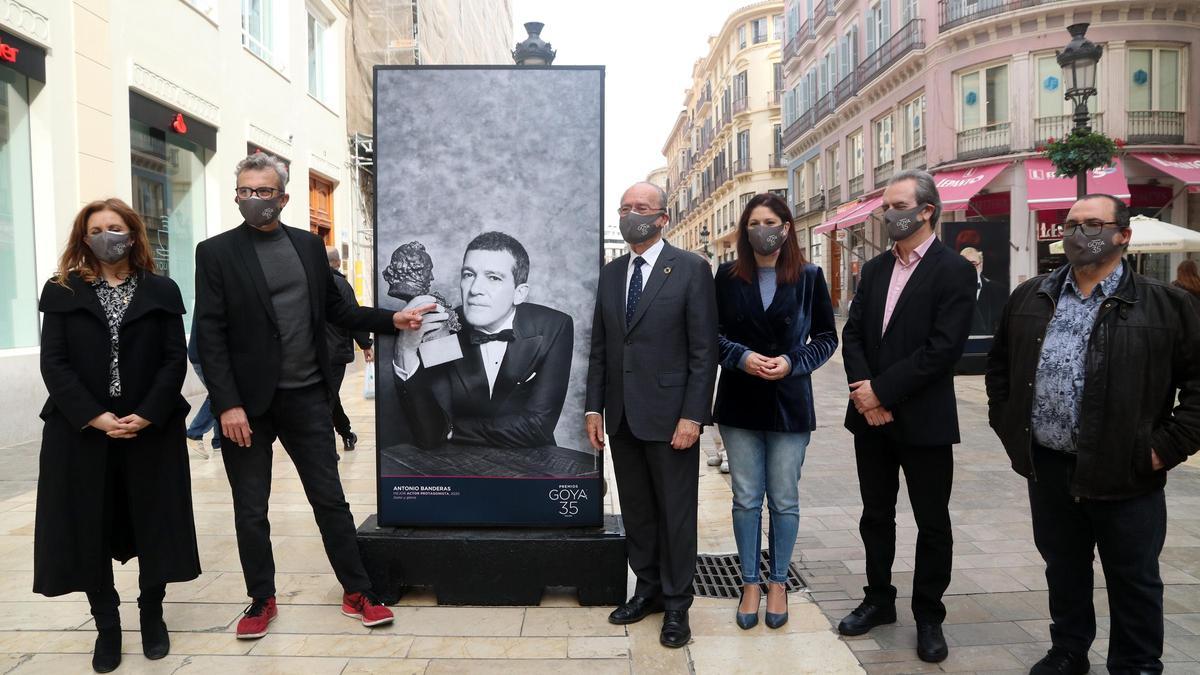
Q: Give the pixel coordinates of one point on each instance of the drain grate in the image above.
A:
(720, 576)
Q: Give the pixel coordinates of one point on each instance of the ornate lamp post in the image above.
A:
(533, 50)
(1078, 61)
(704, 241)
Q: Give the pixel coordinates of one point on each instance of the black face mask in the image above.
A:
(259, 212)
(1082, 250)
(903, 224)
(636, 229)
(766, 240)
(109, 247)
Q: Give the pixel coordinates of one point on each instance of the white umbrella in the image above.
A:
(1151, 235)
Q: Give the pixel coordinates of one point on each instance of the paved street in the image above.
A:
(997, 607)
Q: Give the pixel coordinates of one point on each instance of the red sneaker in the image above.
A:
(363, 606)
(258, 616)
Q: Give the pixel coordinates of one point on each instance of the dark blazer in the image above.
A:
(523, 408)
(798, 324)
(662, 367)
(341, 341)
(235, 321)
(70, 551)
(989, 306)
(911, 366)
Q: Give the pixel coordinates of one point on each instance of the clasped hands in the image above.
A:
(766, 367)
(119, 427)
(868, 404)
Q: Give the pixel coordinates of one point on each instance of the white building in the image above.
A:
(154, 101)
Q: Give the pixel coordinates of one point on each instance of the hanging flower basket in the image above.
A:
(1079, 153)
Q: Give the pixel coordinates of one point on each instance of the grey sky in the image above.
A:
(648, 48)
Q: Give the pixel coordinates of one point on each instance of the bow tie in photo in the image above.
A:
(479, 337)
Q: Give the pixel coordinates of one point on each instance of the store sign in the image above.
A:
(8, 52)
(1048, 232)
(23, 57)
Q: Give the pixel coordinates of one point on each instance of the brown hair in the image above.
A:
(1187, 277)
(78, 257)
(791, 258)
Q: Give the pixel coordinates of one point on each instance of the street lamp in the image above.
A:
(533, 50)
(704, 241)
(1078, 61)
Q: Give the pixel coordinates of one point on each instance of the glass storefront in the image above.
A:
(168, 192)
(18, 278)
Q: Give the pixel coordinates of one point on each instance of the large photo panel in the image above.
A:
(488, 204)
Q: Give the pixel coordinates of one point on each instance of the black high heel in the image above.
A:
(777, 620)
(749, 620)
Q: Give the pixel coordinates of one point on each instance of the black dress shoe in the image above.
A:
(1059, 661)
(676, 632)
(931, 644)
(634, 610)
(107, 654)
(865, 617)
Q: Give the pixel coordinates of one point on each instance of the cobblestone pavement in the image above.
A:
(997, 603)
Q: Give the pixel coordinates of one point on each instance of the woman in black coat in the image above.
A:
(113, 480)
(776, 328)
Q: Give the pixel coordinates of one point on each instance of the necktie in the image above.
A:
(479, 337)
(635, 290)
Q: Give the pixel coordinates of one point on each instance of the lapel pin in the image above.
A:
(666, 270)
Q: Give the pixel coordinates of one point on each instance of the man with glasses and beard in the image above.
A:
(1082, 381)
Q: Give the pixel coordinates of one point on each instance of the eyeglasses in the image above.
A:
(1090, 228)
(640, 210)
(261, 193)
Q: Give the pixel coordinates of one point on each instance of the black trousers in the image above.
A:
(1129, 534)
(300, 419)
(341, 423)
(929, 474)
(659, 491)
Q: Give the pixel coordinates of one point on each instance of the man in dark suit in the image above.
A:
(341, 350)
(263, 294)
(652, 370)
(908, 324)
(508, 389)
(989, 296)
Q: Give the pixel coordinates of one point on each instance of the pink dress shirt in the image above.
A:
(902, 271)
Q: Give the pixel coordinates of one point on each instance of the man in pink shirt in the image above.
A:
(907, 327)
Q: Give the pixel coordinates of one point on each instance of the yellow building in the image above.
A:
(726, 145)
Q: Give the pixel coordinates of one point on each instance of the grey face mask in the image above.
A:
(259, 212)
(902, 224)
(766, 240)
(109, 247)
(636, 228)
(1083, 250)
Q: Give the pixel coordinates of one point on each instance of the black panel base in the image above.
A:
(496, 566)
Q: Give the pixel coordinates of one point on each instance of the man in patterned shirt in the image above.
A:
(1082, 382)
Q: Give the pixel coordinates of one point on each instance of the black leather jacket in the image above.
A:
(1144, 348)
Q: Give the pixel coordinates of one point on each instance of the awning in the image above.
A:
(1151, 235)
(1184, 168)
(958, 187)
(852, 216)
(1048, 190)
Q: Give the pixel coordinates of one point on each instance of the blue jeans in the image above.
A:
(204, 421)
(765, 463)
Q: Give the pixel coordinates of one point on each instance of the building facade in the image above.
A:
(155, 103)
(726, 144)
(969, 90)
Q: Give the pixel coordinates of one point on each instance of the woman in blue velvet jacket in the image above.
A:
(776, 328)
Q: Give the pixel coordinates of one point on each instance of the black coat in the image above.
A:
(236, 327)
(1144, 348)
(798, 324)
(70, 550)
(911, 366)
(523, 408)
(663, 366)
(341, 341)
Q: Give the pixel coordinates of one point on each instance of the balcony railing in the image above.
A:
(854, 187)
(806, 32)
(791, 48)
(774, 97)
(799, 208)
(797, 128)
(741, 105)
(816, 203)
(954, 13)
(908, 38)
(987, 141)
(742, 165)
(834, 196)
(913, 159)
(823, 10)
(1155, 126)
(777, 161)
(846, 88)
(884, 172)
(1058, 126)
(824, 107)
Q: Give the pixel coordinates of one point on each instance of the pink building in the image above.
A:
(968, 90)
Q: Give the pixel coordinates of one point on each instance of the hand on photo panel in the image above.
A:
(431, 317)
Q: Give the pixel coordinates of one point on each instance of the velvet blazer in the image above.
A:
(798, 324)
